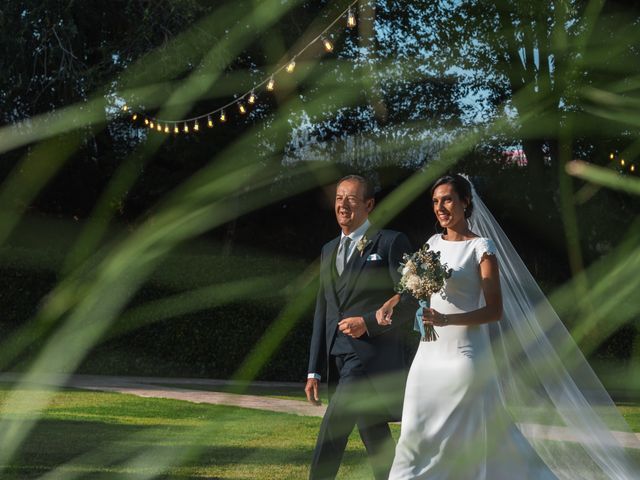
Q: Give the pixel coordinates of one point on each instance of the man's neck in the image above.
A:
(347, 231)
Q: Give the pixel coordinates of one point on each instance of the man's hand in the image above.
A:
(311, 389)
(384, 314)
(353, 326)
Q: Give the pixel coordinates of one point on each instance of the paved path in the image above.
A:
(156, 387)
(177, 389)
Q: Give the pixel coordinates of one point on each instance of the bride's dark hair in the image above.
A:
(462, 188)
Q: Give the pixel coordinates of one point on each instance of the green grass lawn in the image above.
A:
(631, 413)
(102, 435)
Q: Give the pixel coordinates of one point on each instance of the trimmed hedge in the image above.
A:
(213, 342)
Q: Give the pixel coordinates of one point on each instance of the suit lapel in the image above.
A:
(357, 262)
(329, 271)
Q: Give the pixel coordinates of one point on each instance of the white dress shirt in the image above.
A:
(355, 237)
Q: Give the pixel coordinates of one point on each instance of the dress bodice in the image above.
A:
(462, 291)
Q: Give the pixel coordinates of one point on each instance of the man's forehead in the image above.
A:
(349, 187)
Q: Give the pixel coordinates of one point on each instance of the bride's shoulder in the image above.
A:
(483, 240)
(433, 238)
(483, 246)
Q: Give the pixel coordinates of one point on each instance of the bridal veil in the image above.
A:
(546, 382)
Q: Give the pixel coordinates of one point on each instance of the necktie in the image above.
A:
(343, 255)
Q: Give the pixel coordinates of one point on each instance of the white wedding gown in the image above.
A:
(454, 424)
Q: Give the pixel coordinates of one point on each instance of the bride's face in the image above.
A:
(448, 206)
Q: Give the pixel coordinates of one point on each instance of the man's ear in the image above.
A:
(370, 204)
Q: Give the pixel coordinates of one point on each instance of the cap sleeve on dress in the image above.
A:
(484, 246)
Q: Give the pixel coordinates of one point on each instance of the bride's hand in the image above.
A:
(433, 317)
(383, 314)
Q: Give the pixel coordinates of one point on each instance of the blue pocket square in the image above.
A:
(373, 257)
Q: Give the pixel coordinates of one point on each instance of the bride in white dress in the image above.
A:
(455, 424)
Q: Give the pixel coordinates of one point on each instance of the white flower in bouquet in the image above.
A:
(413, 282)
(423, 275)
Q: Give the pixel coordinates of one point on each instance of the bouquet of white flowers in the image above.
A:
(423, 275)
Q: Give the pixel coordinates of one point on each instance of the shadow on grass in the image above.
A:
(94, 449)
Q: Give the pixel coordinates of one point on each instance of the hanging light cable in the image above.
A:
(250, 96)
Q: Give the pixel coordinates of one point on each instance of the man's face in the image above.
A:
(351, 207)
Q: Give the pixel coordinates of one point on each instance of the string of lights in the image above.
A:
(623, 164)
(249, 98)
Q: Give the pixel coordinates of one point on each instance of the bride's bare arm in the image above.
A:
(491, 312)
(384, 313)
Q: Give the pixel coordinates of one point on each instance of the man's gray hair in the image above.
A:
(369, 191)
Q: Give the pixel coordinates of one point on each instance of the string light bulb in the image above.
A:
(351, 19)
(246, 101)
(622, 162)
(328, 46)
(633, 168)
(611, 156)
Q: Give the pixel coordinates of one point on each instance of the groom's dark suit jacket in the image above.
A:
(367, 282)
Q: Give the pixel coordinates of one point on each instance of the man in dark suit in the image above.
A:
(366, 362)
